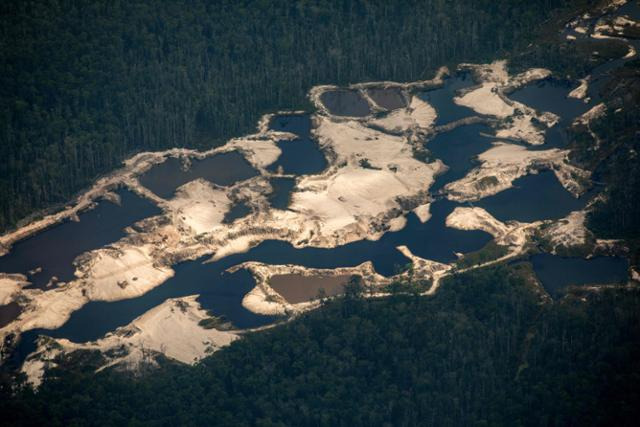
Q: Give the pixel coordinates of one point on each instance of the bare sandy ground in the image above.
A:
(172, 329)
(516, 120)
(504, 163)
(372, 181)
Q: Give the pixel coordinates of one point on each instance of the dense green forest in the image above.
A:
(614, 159)
(485, 350)
(83, 84)
(617, 158)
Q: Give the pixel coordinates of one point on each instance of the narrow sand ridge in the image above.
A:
(513, 233)
(581, 91)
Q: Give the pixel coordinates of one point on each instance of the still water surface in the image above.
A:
(54, 249)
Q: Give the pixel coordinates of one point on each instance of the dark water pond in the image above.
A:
(54, 249)
(281, 195)
(390, 98)
(300, 124)
(556, 273)
(296, 288)
(431, 240)
(222, 293)
(299, 157)
(9, 312)
(221, 169)
(344, 102)
(533, 197)
(442, 99)
(237, 211)
(457, 150)
(631, 9)
(551, 95)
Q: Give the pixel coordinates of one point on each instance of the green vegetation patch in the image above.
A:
(489, 252)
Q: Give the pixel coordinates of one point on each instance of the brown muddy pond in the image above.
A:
(345, 103)
(296, 288)
(387, 98)
(9, 312)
